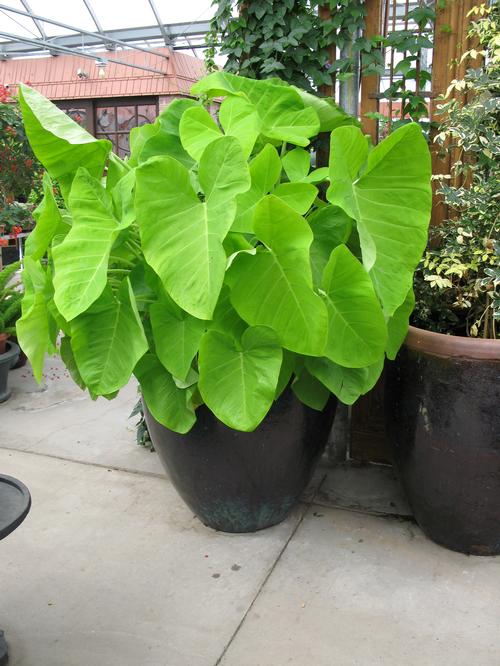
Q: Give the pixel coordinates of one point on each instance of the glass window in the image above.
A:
(114, 122)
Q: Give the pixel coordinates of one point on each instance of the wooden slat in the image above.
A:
(370, 84)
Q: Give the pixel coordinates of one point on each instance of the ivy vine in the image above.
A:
(292, 40)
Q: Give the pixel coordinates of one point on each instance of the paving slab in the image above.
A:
(358, 590)
(112, 569)
(59, 419)
(367, 488)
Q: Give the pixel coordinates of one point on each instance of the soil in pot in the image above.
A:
(7, 360)
(245, 481)
(443, 421)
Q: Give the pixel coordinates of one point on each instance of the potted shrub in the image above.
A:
(443, 393)
(10, 310)
(208, 266)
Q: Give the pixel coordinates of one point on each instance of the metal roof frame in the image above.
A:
(130, 38)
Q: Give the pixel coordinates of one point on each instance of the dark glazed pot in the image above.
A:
(7, 360)
(443, 422)
(244, 481)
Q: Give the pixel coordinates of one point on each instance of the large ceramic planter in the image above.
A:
(443, 421)
(7, 360)
(242, 482)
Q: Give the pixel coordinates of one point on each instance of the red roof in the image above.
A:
(56, 76)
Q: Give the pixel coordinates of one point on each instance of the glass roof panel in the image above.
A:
(72, 12)
(15, 24)
(182, 12)
(113, 14)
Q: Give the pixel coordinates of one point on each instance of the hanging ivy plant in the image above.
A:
(292, 40)
(287, 39)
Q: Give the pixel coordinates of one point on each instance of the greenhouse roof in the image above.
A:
(49, 27)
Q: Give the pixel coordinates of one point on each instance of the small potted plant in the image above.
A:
(10, 311)
(208, 266)
(443, 393)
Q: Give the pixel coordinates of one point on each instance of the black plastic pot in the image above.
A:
(242, 482)
(443, 421)
(7, 360)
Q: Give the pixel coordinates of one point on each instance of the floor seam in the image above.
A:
(115, 468)
(308, 505)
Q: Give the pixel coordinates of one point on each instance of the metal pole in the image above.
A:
(99, 36)
(76, 52)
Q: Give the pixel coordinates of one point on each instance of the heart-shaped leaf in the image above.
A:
(391, 201)
(265, 170)
(274, 286)
(197, 129)
(61, 145)
(81, 260)
(348, 384)
(181, 236)
(177, 336)
(49, 222)
(357, 332)
(170, 405)
(281, 112)
(238, 380)
(108, 340)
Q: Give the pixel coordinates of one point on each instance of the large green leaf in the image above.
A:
(61, 145)
(310, 390)
(238, 380)
(357, 332)
(329, 113)
(239, 118)
(296, 163)
(69, 361)
(108, 340)
(226, 319)
(265, 171)
(391, 201)
(197, 130)
(331, 226)
(299, 196)
(81, 260)
(166, 140)
(177, 336)
(348, 384)
(171, 406)
(397, 326)
(274, 286)
(49, 222)
(281, 113)
(33, 329)
(181, 236)
(117, 169)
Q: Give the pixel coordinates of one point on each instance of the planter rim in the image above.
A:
(457, 346)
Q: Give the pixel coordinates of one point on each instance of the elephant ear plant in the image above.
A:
(215, 264)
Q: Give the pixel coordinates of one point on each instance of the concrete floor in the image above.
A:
(110, 568)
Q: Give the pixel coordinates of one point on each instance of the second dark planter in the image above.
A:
(238, 481)
(7, 360)
(443, 421)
